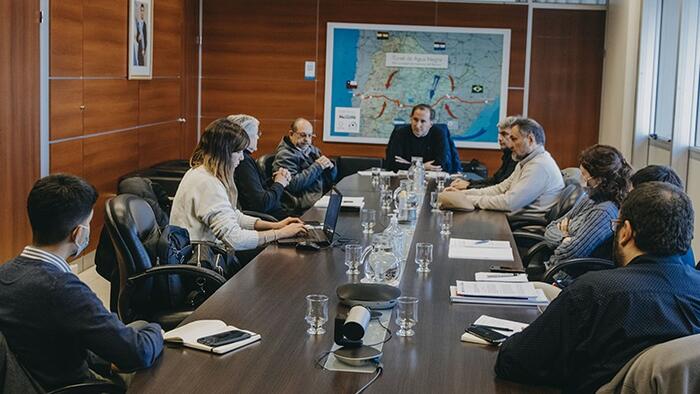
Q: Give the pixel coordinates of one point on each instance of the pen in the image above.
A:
(492, 327)
(500, 275)
(483, 241)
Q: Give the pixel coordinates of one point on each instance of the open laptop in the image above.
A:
(322, 237)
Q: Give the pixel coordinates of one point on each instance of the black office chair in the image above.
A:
(155, 294)
(348, 165)
(172, 167)
(535, 258)
(16, 378)
(265, 164)
(568, 197)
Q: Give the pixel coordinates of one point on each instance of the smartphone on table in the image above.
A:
(223, 338)
(502, 268)
(491, 336)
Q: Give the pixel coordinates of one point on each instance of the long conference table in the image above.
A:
(268, 297)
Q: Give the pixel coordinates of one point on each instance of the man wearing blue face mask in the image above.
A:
(58, 329)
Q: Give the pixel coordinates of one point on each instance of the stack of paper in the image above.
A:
(348, 202)
(499, 277)
(497, 293)
(475, 249)
(484, 320)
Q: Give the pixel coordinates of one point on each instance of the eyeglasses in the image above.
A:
(614, 224)
(304, 135)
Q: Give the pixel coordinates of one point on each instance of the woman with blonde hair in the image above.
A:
(206, 200)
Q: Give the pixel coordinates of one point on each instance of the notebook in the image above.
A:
(480, 250)
(485, 320)
(188, 334)
(500, 277)
(496, 289)
(540, 300)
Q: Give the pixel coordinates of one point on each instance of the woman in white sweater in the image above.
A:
(205, 202)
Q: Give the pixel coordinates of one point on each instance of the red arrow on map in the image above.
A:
(447, 108)
(388, 81)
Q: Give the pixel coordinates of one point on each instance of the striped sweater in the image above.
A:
(589, 227)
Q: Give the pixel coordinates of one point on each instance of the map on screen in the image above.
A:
(375, 74)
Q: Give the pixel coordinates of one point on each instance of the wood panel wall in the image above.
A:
(102, 125)
(254, 54)
(566, 79)
(19, 120)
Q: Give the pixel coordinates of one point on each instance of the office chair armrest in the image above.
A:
(90, 388)
(526, 239)
(179, 269)
(260, 215)
(537, 254)
(577, 267)
(521, 220)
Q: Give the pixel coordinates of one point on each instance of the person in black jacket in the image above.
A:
(422, 138)
(508, 161)
(255, 192)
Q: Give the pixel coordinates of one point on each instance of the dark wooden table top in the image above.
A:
(267, 297)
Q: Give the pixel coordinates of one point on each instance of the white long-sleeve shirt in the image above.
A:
(207, 209)
(533, 187)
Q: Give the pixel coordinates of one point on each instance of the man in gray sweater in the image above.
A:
(312, 173)
(534, 185)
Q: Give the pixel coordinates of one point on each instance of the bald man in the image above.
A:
(312, 174)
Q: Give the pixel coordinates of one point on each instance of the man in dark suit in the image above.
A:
(425, 139)
(141, 37)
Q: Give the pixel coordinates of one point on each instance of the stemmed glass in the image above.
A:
(445, 221)
(434, 201)
(406, 315)
(367, 218)
(424, 256)
(316, 313)
(353, 258)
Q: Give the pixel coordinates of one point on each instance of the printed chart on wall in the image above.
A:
(375, 74)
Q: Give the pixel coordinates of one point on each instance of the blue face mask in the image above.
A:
(81, 245)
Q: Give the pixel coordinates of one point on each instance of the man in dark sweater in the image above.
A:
(605, 318)
(508, 161)
(255, 192)
(54, 324)
(422, 138)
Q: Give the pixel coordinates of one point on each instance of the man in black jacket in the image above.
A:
(255, 192)
(508, 161)
(605, 318)
(422, 138)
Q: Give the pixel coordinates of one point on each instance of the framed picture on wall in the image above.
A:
(140, 39)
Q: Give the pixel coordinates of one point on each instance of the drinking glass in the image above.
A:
(406, 315)
(434, 201)
(376, 172)
(367, 218)
(353, 258)
(316, 313)
(424, 256)
(386, 198)
(445, 221)
(384, 182)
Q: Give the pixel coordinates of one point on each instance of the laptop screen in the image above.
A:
(332, 213)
